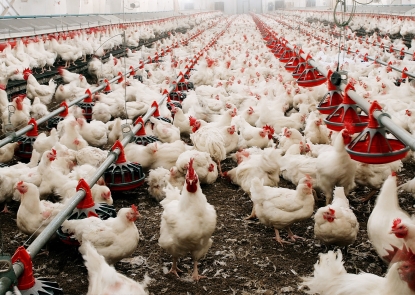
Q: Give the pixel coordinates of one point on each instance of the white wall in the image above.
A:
(40, 7)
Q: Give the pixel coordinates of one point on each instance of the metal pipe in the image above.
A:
(384, 120)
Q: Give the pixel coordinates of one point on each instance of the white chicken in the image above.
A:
(104, 279)
(281, 207)
(187, 222)
(336, 224)
(114, 238)
(34, 89)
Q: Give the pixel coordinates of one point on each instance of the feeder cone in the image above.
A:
(346, 113)
(132, 71)
(142, 130)
(33, 132)
(89, 98)
(121, 157)
(121, 78)
(331, 99)
(108, 86)
(26, 280)
(156, 111)
(87, 201)
(372, 146)
(64, 113)
(404, 74)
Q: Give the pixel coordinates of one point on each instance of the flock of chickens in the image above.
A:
(245, 106)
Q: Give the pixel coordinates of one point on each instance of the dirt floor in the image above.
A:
(244, 258)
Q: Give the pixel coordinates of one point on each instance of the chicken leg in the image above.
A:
(278, 238)
(5, 210)
(292, 236)
(253, 214)
(174, 269)
(195, 274)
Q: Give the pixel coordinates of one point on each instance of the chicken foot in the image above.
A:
(195, 274)
(368, 196)
(292, 236)
(174, 269)
(5, 210)
(253, 214)
(278, 238)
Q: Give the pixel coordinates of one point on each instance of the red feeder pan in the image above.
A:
(280, 51)
(372, 147)
(331, 99)
(346, 112)
(293, 63)
(287, 55)
(300, 69)
(310, 78)
(123, 175)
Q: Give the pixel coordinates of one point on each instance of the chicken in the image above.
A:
(104, 279)
(44, 142)
(210, 139)
(6, 190)
(330, 277)
(182, 121)
(114, 238)
(159, 178)
(34, 89)
(91, 155)
(165, 132)
(34, 215)
(252, 136)
(95, 132)
(187, 222)
(19, 116)
(404, 230)
(316, 132)
(336, 224)
(7, 152)
(203, 164)
(71, 137)
(336, 167)
(289, 137)
(380, 220)
(67, 52)
(281, 207)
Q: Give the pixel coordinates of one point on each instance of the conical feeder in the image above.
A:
(123, 175)
(292, 64)
(310, 78)
(86, 105)
(331, 99)
(372, 146)
(346, 112)
(24, 151)
(54, 121)
(141, 137)
(27, 283)
(86, 208)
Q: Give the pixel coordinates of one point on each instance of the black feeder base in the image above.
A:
(124, 176)
(144, 139)
(24, 152)
(54, 121)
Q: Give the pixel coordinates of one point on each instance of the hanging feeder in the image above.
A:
(176, 103)
(280, 51)
(301, 67)
(156, 113)
(86, 105)
(310, 78)
(294, 62)
(27, 283)
(86, 208)
(141, 137)
(107, 88)
(123, 175)
(331, 99)
(54, 121)
(372, 146)
(25, 148)
(346, 112)
(287, 55)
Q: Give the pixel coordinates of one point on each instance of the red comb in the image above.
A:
(393, 173)
(54, 152)
(134, 207)
(2, 87)
(190, 170)
(396, 222)
(332, 211)
(20, 182)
